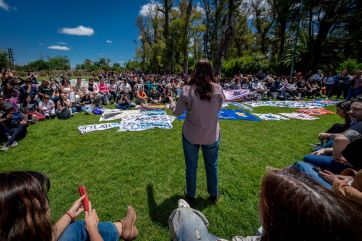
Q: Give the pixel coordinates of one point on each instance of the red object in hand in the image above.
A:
(85, 201)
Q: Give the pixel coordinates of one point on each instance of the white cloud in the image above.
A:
(200, 9)
(109, 41)
(57, 47)
(4, 5)
(149, 9)
(78, 31)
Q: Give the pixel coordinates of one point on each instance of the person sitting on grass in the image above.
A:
(124, 102)
(342, 109)
(141, 97)
(47, 107)
(332, 159)
(25, 214)
(93, 91)
(291, 207)
(13, 125)
(64, 110)
(28, 89)
(104, 91)
(28, 106)
(155, 96)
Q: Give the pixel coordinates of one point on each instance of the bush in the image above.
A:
(247, 64)
(351, 65)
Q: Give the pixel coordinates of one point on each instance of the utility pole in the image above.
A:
(11, 58)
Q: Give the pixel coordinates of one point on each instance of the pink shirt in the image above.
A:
(201, 125)
(103, 88)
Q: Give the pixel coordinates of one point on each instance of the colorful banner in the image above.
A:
(316, 112)
(226, 114)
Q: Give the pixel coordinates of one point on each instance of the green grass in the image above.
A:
(146, 169)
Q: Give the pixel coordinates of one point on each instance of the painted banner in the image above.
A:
(116, 114)
(316, 112)
(291, 104)
(299, 116)
(226, 114)
(97, 127)
(233, 95)
(270, 116)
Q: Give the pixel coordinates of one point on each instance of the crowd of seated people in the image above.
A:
(336, 163)
(328, 181)
(299, 86)
(38, 100)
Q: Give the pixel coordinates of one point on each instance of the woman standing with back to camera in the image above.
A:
(202, 99)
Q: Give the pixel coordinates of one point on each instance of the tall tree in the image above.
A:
(166, 9)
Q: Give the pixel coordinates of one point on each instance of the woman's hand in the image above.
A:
(328, 176)
(323, 136)
(319, 152)
(91, 219)
(76, 208)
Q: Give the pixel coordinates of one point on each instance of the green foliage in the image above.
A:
(146, 169)
(133, 65)
(251, 63)
(351, 65)
(52, 63)
(4, 61)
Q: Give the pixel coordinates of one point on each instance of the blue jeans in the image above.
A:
(211, 154)
(13, 133)
(325, 162)
(76, 232)
(311, 171)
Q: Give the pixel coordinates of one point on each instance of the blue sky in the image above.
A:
(45, 28)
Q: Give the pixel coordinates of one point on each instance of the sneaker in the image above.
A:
(4, 148)
(183, 204)
(14, 144)
(190, 200)
(214, 199)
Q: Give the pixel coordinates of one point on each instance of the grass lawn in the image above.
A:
(146, 169)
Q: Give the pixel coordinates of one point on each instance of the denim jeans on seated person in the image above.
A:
(325, 162)
(211, 154)
(76, 231)
(312, 172)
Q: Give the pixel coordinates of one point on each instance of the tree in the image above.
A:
(4, 61)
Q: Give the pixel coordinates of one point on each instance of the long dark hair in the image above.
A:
(345, 106)
(24, 207)
(202, 76)
(294, 207)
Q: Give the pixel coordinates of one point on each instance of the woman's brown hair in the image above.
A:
(24, 207)
(202, 76)
(294, 207)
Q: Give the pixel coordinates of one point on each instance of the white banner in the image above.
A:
(97, 127)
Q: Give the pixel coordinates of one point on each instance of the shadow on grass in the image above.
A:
(160, 213)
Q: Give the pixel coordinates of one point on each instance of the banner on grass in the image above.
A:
(271, 116)
(97, 127)
(226, 114)
(299, 116)
(232, 95)
(116, 114)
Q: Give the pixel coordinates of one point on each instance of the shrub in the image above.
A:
(351, 64)
(247, 64)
